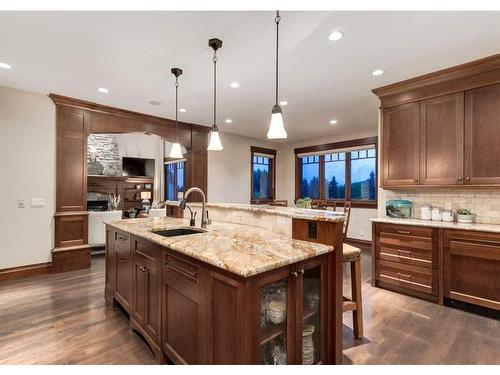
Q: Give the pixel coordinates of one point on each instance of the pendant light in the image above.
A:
(276, 128)
(214, 143)
(175, 151)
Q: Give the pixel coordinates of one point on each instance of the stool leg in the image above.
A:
(357, 315)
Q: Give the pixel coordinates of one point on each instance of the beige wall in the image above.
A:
(27, 170)
(229, 169)
(359, 224)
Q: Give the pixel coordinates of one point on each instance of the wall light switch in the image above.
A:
(20, 203)
(37, 202)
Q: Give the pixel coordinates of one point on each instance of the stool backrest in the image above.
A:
(347, 215)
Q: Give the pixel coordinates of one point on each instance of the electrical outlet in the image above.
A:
(20, 203)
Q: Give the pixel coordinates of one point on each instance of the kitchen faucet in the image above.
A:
(204, 213)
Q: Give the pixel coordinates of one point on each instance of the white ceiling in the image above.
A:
(131, 54)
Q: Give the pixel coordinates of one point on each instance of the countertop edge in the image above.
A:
(477, 227)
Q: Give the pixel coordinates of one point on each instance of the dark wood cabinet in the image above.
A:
(400, 145)
(194, 313)
(146, 293)
(458, 112)
(118, 283)
(471, 267)
(438, 264)
(441, 140)
(482, 140)
(406, 259)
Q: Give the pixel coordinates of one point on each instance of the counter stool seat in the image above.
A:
(351, 253)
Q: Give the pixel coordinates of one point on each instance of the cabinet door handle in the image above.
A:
(403, 232)
(404, 275)
(415, 179)
(122, 259)
(302, 271)
(460, 179)
(468, 178)
(295, 274)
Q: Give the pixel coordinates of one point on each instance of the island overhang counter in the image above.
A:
(234, 294)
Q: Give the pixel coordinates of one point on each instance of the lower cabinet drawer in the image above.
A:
(408, 255)
(420, 279)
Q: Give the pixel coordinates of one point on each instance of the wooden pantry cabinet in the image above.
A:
(442, 129)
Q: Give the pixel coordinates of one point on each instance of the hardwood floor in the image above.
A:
(404, 330)
(63, 319)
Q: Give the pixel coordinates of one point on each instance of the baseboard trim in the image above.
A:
(22, 272)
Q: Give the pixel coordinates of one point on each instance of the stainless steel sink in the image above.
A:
(178, 232)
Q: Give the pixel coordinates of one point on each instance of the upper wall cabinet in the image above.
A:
(441, 140)
(443, 129)
(482, 130)
(400, 148)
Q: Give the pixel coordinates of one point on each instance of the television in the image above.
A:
(138, 167)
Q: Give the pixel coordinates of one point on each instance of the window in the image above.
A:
(174, 179)
(262, 174)
(339, 171)
(310, 177)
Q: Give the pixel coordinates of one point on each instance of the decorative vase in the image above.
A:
(308, 345)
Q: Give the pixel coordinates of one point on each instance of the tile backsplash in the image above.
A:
(485, 204)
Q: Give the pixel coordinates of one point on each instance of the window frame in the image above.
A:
(174, 162)
(334, 148)
(272, 173)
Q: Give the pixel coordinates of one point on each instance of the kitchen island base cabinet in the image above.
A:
(192, 312)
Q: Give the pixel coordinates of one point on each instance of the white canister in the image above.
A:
(436, 214)
(425, 213)
(447, 215)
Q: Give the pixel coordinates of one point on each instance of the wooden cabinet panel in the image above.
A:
(472, 267)
(441, 140)
(400, 145)
(146, 291)
(420, 279)
(182, 311)
(482, 135)
(109, 278)
(123, 277)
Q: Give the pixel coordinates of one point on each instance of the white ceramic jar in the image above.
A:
(447, 215)
(425, 213)
(436, 214)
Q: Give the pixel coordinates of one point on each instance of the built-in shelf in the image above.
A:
(273, 331)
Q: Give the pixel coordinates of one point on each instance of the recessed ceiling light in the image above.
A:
(333, 122)
(182, 109)
(229, 121)
(154, 102)
(104, 90)
(5, 65)
(336, 35)
(234, 85)
(283, 102)
(378, 72)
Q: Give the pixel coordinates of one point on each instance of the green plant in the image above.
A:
(132, 210)
(464, 211)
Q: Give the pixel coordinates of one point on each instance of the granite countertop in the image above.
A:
(440, 224)
(240, 249)
(297, 213)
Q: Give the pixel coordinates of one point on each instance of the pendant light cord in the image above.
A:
(277, 21)
(176, 107)
(214, 59)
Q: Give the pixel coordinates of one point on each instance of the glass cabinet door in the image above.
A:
(313, 340)
(273, 323)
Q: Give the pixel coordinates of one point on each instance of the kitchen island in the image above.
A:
(233, 293)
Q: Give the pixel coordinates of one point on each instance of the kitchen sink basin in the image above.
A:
(178, 232)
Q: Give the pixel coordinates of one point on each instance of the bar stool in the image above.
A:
(352, 255)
